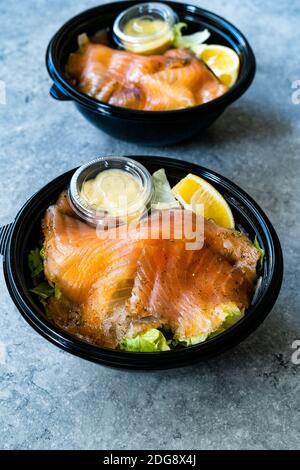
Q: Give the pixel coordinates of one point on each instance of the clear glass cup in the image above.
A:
(153, 43)
(105, 217)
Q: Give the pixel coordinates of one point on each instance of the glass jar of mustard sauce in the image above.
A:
(111, 191)
(146, 28)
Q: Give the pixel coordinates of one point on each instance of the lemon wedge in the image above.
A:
(223, 61)
(192, 191)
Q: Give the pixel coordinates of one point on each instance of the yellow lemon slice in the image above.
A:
(192, 191)
(223, 61)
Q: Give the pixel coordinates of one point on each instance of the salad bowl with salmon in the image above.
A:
(153, 73)
(142, 263)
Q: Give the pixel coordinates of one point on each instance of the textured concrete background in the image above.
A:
(249, 397)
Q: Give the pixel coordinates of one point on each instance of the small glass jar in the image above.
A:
(108, 216)
(146, 28)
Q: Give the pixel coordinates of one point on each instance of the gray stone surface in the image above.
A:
(250, 397)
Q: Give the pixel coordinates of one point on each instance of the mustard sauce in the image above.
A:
(112, 190)
(145, 27)
(149, 36)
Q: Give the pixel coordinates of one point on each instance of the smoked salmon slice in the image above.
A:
(174, 80)
(115, 286)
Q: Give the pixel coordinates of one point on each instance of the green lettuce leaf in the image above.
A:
(233, 315)
(190, 341)
(163, 196)
(193, 42)
(41, 287)
(82, 40)
(262, 253)
(57, 292)
(42, 252)
(151, 341)
(35, 262)
(43, 290)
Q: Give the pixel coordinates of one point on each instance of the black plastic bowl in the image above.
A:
(147, 127)
(23, 234)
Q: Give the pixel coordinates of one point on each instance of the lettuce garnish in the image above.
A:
(261, 251)
(35, 262)
(151, 341)
(154, 340)
(41, 286)
(163, 196)
(232, 315)
(194, 41)
(190, 341)
(43, 290)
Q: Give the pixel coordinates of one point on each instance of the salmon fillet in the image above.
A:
(174, 80)
(116, 287)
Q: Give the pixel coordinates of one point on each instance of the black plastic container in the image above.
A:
(147, 127)
(22, 235)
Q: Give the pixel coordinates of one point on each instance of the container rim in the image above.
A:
(169, 359)
(66, 88)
